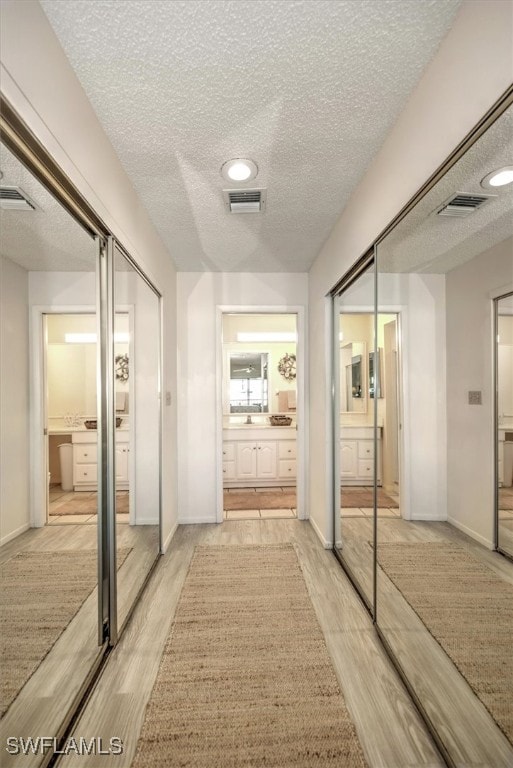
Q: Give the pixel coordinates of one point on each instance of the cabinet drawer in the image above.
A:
(365, 468)
(85, 473)
(365, 449)
(287, 449)
(287, 468)
(229, 470)
(85, 454)
(228, 452)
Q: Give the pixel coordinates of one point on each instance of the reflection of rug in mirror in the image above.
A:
(506, 498)
(245, 678)
(467, 608)
(86, 504)
(40, 594)
(363, 496)
(251, 499)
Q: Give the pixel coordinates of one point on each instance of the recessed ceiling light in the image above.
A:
(239, 169)
(498, 178)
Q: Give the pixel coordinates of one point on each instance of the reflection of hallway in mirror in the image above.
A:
(259, 503)
(356, 501)
(65, 580)
(66, 507)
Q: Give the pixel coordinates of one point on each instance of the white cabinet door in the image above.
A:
(266, 460)
(348, 458)
(246, 461)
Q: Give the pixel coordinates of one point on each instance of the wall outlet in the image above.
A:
(475, 397)
(168, 398)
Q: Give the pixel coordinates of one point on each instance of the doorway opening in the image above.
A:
(260, 399)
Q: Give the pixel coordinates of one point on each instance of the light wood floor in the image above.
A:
(46, 698)
(388, 725)
(473, 738)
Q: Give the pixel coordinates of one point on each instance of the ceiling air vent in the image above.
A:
(462, 204)
(244, 200)
(15, 199)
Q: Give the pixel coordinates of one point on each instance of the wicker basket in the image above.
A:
(93, 423)
(280, 421)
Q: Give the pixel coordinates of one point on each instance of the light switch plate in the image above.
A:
(475, 397)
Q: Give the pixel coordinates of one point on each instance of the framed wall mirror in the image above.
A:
(248, 390)
(375, 373)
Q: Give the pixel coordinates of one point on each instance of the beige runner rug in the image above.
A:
(245, 678)
(468, 609)
(40, 594)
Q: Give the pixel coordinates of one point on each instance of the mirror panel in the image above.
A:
(354, 436)
(504, 389)
(49, 501)
(137, 441)
(439, 582)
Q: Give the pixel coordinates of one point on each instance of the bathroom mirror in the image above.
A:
(375, 374)
(352, 377)
(248, 382)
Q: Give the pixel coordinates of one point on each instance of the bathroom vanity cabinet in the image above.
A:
(259, 456)
(357, 455)
(85, 460)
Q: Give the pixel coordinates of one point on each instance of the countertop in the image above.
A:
(58, 427)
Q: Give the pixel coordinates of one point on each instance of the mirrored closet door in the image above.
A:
(357, 463)
(80, 446)
(444, 597)
(504, 421)
(137, 388)
(49, 601)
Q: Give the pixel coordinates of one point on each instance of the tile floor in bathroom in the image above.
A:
(257, 513)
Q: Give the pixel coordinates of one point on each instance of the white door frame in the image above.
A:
(302, 398)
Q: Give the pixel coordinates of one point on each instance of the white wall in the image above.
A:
(199, 401)
(469, 367)
(448, 102)
(14, 401)
(40, 84)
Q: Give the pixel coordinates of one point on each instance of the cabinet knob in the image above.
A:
(86, 454)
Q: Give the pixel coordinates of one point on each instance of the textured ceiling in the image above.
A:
(425, 242)
(308, 90)
(45, 239)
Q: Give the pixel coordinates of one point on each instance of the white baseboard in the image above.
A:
(197, 520)
(167, 542)
(472, 534)
(325, 543)
(13, 534)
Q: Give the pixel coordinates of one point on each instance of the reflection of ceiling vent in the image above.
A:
(15, 199)
(244, 200)
(462, 204)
